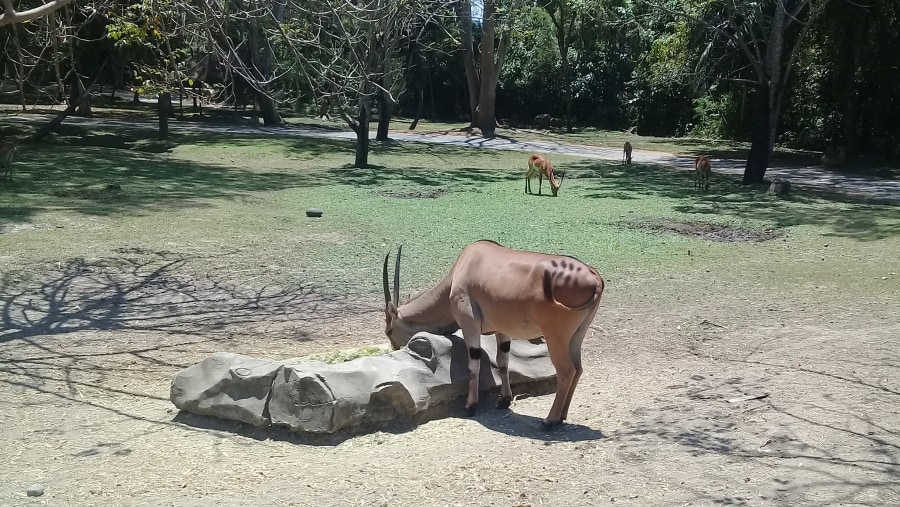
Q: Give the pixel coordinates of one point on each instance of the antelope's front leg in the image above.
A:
(472, 335)
(503, 345)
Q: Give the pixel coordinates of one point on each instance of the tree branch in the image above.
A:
(11, 16)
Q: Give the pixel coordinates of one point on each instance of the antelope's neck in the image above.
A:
(431, 309)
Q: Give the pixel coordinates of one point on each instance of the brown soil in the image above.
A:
(707, 231)
(668, 411)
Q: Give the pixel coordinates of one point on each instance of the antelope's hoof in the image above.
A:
(470, 411)
(504, 403)
(550, 425)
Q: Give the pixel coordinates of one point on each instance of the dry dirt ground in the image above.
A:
(756, 398)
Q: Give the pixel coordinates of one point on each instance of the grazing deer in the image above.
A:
(626, 153)
(510, 293)
(703, 172)
(7, 154)
(540, 166)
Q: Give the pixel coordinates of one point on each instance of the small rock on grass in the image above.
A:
(35, 490)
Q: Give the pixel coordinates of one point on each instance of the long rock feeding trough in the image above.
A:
(315, 397)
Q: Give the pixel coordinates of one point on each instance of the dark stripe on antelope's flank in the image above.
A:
(504, 346)
(475, 352)
(548, 285)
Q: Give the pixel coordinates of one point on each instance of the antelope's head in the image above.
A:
(555, 184)
(397, 331)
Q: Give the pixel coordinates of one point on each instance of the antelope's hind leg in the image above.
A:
(504, 343)
(575, 354)
(558, 346)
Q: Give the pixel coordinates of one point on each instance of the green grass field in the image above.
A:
(235, 205)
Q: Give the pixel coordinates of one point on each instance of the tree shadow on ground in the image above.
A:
(842, 216)
(103, 181)
(115, 322)
(143, 291)
(113, 179)
(845, 456)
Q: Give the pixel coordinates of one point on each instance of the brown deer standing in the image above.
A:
(510, 293)
(703, 172)
(541, 166)
(626, 153)
(7, 155)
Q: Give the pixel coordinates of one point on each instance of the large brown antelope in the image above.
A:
(703, 171)
(626, 153)
(7, 154)
(510, 293)
(541, 166)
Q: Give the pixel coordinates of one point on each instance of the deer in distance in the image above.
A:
(626, 153)
(702, 172)
(7, 154)
(540, 166)
(492, 289)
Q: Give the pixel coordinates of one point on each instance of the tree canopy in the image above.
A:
(815, 74)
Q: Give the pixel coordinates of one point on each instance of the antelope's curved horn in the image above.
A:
(397, 277)
(384, 275)
(562, 176)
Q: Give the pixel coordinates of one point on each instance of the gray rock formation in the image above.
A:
(779, 186)
(316, 397)
(226, 385)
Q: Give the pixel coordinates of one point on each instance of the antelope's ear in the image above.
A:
(391, 310)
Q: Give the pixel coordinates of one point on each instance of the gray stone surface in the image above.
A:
(779, 186)
(226, 385)
(315, 397)
(35, 490)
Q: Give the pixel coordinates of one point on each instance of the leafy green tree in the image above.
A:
(755, 43)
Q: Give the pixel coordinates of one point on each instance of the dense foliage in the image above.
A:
(665, 67)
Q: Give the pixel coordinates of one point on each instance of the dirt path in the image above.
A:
(762, 398)
(811, 177)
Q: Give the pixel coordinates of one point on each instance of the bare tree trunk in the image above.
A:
(61, 92)
(563, 22)
(431, 98)
(758, 160)
(164, 104)
(263, 59)
(491, 61)
(487, 97)
(464, 13)
(419, 108)
(362, 132)
(385, 111)
(20, 68)
(78, 90)
(771, 89)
